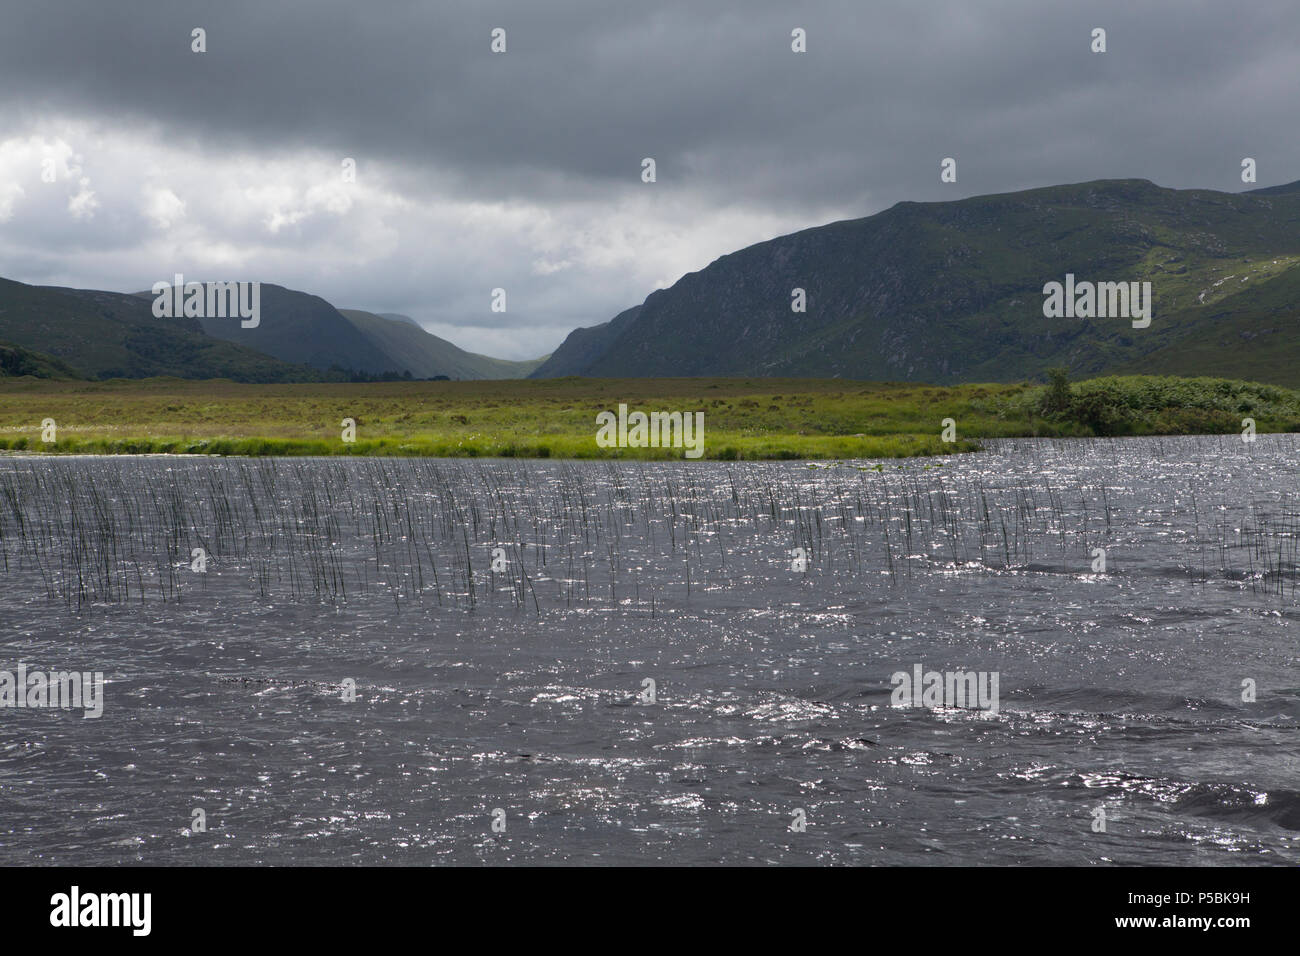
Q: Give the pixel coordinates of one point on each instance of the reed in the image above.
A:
(420, 532)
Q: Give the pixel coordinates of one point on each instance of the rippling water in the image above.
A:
(518, 689)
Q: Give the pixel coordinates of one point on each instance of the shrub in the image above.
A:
(1058, 397)
(1100, 412)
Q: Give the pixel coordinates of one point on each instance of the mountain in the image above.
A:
(425, 355)
(948, 292)
(584, 347)
(114, 335)
(395, 316)
(304, 329)
(299, 338)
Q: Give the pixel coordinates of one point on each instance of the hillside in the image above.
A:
(16, 362)
(395, 316)
(952, 292)
(425, 355)
(304, 329)
(299, 338)
(113, 335)
(583, 348)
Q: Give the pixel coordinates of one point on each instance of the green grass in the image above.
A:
(555, 418)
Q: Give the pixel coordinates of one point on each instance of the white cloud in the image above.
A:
(10, 192)
(162, 206)
(378, 243)
(83, 204)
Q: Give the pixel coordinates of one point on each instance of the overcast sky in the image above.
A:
(522, 170)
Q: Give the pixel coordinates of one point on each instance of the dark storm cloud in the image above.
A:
(711, 90)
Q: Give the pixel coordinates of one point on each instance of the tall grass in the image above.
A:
(643, 535)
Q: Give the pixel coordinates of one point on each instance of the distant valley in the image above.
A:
(943, 292)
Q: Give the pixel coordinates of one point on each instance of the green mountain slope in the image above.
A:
(395, 316)
(16, 361)
(304, 329)
(952, 291)
(1252, 332)
(584, 347)
(299, 338)
(425, 355)
(112, 335)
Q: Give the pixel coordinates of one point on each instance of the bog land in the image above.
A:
(753, 418)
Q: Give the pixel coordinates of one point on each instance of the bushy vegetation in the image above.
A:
(1145, 405)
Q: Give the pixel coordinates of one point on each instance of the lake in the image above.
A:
(360, 661)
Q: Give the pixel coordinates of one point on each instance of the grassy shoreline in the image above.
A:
(555, 418)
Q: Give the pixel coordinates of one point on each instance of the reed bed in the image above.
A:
(639, 534)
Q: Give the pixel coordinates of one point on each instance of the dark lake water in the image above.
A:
(521, 688)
